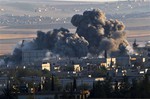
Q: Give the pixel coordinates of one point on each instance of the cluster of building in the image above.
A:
(29, 20)
(86, 70)
(133, 66)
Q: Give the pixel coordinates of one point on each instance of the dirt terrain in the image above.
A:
(21, 20)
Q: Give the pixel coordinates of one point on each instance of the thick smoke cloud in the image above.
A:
(94, 35)
(17, 52)
(59, 41)
(102, 34)
(62, 42)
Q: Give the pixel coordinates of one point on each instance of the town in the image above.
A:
(55, 77)
(96, 61)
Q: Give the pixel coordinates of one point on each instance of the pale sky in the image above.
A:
(94, 0)
(75, 0)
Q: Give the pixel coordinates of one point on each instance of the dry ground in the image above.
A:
(137, 28)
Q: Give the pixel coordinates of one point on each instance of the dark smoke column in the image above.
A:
(102, 34)
(62, 42)
(95, 34)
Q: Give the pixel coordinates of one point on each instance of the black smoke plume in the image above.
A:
(94, 34)
(101, 34)
(62, 42)
(59, 41)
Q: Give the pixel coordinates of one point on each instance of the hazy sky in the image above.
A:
(71, 0)
(95, 0)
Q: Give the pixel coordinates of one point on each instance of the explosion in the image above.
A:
(101, 34)
(94, 35)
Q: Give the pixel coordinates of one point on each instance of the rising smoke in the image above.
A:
(62, 42)
(101, 34)
(94, 35)
(59, 41)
